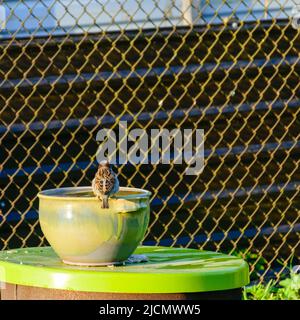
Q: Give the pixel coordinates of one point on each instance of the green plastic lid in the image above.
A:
(168, 270)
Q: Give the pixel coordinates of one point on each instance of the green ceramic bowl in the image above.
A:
(83, 233)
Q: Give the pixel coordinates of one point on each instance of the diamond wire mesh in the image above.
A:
(230, 68)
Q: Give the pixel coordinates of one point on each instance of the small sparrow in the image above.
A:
(105, 183)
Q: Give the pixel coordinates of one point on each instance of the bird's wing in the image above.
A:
(106, 185)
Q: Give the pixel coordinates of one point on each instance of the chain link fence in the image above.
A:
(69, 68)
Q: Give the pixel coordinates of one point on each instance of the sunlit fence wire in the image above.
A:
(70, 68)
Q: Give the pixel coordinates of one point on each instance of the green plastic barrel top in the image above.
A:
(168, 270)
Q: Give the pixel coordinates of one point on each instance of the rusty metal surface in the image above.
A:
(17, 292)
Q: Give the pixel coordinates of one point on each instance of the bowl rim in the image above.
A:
(52, 194)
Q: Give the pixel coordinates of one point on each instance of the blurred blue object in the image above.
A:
(40, 18)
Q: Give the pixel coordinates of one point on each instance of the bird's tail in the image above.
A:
(105, 202)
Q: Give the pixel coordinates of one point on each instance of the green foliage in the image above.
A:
(261, 292)
(288, 289)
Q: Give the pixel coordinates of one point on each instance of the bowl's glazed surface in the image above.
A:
(83, 233)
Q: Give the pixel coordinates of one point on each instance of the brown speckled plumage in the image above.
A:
(105, 183)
